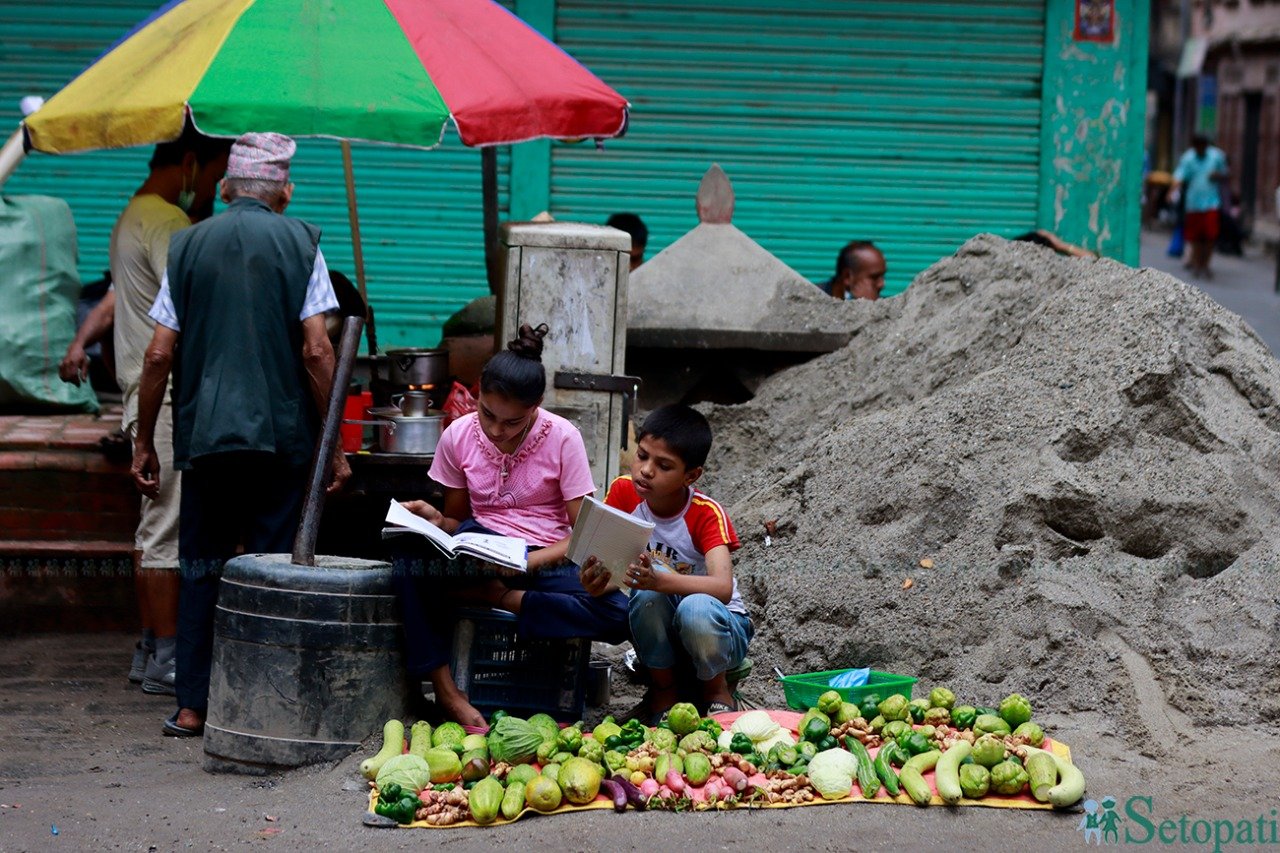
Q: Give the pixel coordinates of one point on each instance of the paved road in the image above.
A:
(83, 767)
(1243, 285)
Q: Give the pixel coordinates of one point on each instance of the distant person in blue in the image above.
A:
(1197, 179)
(860, 270)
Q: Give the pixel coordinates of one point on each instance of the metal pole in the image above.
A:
(304, 543)
(11, 155)
(1180, 83)
(489, 188)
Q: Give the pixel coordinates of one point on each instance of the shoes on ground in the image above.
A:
(160, 673)
(138, 669)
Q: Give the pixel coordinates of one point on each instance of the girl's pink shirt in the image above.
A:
(547, 470)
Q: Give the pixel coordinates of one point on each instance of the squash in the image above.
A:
(392, 744)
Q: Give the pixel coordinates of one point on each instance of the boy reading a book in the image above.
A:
(685, 607)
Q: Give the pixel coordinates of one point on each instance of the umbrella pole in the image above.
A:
(489, 188)
(11, 156)
(357, 249)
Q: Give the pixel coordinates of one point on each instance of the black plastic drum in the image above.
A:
(306, 662)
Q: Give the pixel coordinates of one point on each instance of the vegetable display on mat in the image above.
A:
(446, 777)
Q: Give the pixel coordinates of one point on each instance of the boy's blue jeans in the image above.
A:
(698, 627)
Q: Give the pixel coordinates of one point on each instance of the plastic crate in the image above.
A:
(802, 691)
(499, 670)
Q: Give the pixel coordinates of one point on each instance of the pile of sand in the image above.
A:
(1088, 453)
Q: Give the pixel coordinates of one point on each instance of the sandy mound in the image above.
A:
(1087, 452)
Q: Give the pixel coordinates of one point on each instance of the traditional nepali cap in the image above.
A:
(261, 157)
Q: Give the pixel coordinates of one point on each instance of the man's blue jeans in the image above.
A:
(700, 628)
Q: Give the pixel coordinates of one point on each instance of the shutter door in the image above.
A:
(913, 124)
(420, 211)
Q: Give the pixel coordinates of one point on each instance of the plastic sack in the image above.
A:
(850, 678)
(38, 294)
(459, 402)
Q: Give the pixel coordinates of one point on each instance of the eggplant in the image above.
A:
(632, 793)
(615, 792)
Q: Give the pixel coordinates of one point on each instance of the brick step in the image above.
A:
(69, 549)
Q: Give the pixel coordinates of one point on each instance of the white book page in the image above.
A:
(612, 536)
(398, 515)
(507, 551)
(510, 551)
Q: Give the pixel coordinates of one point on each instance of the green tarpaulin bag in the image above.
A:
(39, 287)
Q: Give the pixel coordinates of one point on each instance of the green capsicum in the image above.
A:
(497, 715)
(815, 729)
(963, 716)
(632, 734)
(741, 744)
(828, 742)
(711, 727)
(401, 809)
(914, 743)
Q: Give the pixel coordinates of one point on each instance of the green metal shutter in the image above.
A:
(913, 124)
(420, 211)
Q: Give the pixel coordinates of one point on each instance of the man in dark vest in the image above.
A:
(240, 319)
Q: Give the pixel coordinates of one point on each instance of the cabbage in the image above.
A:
(546, 726)
(409, 771)
(831, 773)
(725, 739)
(514, 741)
(781, 736)
(757, 725)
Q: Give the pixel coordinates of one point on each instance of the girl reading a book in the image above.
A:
(514, 469)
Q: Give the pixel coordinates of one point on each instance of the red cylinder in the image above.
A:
(354, 410)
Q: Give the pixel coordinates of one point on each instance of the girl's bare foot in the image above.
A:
(453, 701)
(458, 708)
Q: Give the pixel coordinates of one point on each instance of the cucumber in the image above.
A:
(912, 776)
(868, 781)
(884, 769)
(946, 776)
(392, 744)
(1070, 787)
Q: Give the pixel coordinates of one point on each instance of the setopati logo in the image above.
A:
(1105, 821)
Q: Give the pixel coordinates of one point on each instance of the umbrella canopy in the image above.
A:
(390, 71)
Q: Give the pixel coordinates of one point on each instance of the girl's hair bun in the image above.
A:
(528, 342)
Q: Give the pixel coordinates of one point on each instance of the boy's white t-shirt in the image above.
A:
(680, 543)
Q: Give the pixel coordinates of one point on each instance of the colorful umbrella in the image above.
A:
(389, 71)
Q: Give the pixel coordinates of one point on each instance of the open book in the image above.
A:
(508, 551)
(614, 537)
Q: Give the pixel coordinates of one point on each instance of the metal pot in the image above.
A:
(419, 367)
(399, 433)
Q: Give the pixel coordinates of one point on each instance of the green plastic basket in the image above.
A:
(802, 691)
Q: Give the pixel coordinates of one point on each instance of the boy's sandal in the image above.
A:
(719, 708)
